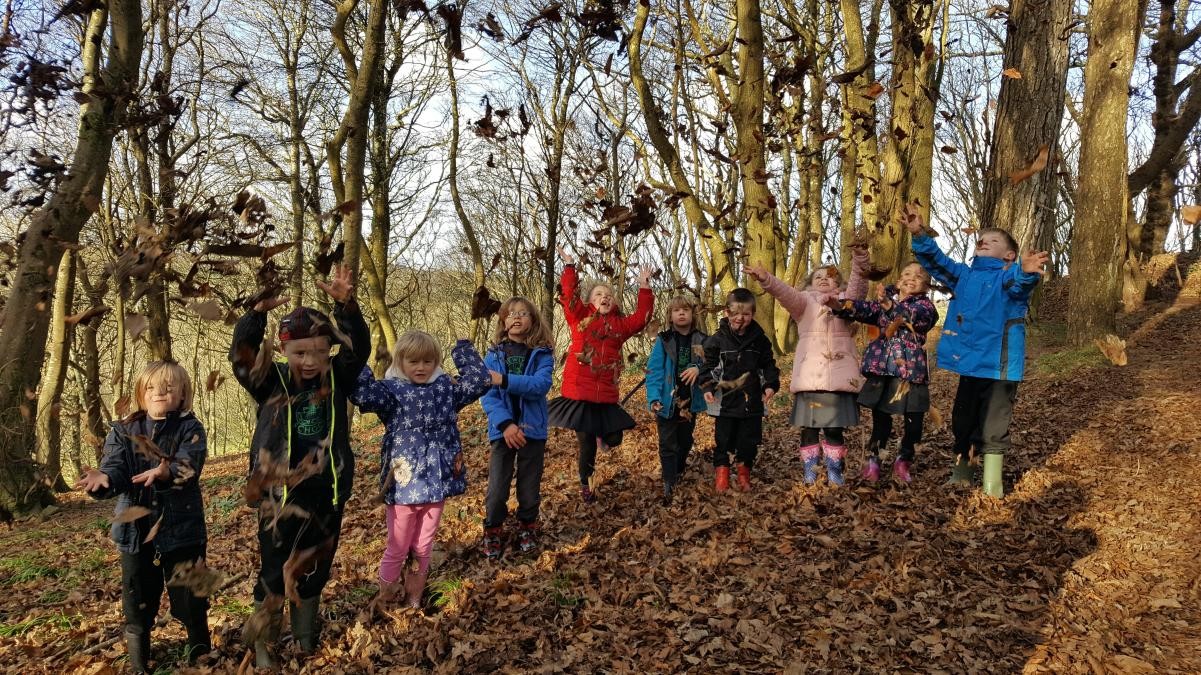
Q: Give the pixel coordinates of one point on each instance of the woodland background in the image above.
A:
(163, 164)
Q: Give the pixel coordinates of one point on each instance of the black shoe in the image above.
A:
(668, 492)
(527, 537)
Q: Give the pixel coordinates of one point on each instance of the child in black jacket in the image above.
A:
(152, 462)
(300, 453)
(739, 378)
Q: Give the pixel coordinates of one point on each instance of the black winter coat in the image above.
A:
(176, 500)
(728, 356)
(276, 392)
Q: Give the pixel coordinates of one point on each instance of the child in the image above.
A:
(738, 377)
(421, 460)
(983, 339)
(152, 460)
(588, 404)
(825, 370)
(672, 391)
(895, 365)
(521, 363)
(300, 451)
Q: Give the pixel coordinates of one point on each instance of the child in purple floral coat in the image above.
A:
(895, 365)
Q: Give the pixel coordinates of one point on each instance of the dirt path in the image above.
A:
(1090, 564)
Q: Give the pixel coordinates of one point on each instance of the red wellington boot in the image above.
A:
(723, 479)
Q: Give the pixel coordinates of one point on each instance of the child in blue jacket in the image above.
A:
(521, 362)
(672, 390)
(421, 459)
(983, 339)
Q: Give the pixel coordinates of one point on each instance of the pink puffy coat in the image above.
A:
(825, 359)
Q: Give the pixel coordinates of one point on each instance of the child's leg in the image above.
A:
(427, 518)
(996, 414)
(724, 432)
(189, 608)
(914, 423)
(684, 440)
(835, 450)
(748, 438)
(668, 449)
(810, 452)
(612, 440)
(530, 461)
(403, 523)
(965, 415)
(500, 476)
(587, 460)
(881, 432)
(141, 590)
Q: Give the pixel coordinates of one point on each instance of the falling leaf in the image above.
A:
(1190, 214)
(135, 324)
(1012, 73)
(197, 577)
(209, 310)
(949, 149)
(131, 513)
(214, 380)
(1114, 349)
(86, 315)
(874, 91)
(272, 251)
(483, 305)
(1039, 163)
(153, 531)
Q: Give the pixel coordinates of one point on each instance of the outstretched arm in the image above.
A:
(857, 284)
(372, 395)
(792, 299)
(474, 378)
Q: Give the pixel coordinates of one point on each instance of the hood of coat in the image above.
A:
(395, 373)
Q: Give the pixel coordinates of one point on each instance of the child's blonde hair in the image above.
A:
(595, 284)
(417, 345)
(680, 302)
(162, 372)
(539, 334)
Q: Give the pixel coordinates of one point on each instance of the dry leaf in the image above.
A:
(1039, 163)
(1190, 214)
(130, 514)
(874, 90)
(209, 310)
(135, 324)
(1114, 349)
(1012, 73)
(215, 379)
(153, 531)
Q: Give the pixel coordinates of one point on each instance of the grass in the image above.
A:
(358, 594)
(223, 481)
(562, 588)
(59, 621)
(52, 596)
(235, 606)
(224, 505)
(99, 523)
(25, 567)
(443, 591)
(1051, 354)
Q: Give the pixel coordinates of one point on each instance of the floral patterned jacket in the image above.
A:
(421, 422)
(900, 351)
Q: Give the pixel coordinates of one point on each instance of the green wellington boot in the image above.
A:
(961, 473)
(305, 628)
(992, 476)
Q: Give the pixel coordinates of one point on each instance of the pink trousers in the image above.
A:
(411, 527)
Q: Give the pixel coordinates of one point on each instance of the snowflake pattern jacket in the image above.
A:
(900, 351)
(421, 422)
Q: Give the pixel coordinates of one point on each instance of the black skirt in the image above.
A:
(894, 396)
(597, 419)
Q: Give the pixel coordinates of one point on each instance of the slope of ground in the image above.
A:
(1089, 565)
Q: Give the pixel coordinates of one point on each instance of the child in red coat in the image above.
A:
(588, 404)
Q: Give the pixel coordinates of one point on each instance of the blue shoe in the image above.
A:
(810, 456)
(835, 461)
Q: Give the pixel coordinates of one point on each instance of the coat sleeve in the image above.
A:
(793, 300)
(474, 379)
(372, 395)
(629, 326)
(351, 358)
(656, 366)
(857, 284)
(534, 385)
(712, 358)
(1019, 284)
(493, 400)
(770, 376)
(923, 315)
(115, 465)
(574, 309)
(936, 262)
(247, 340)
(191, 453)
(863, 311)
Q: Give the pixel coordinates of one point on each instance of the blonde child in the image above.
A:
(673, 393)
(172, 533)
(825, 371)
(421, 458)
(521, 362)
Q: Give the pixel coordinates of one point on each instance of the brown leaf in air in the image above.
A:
(1039, 163)
(1114, 349)
(1012, 73)
(1190, 214)
(130, 514)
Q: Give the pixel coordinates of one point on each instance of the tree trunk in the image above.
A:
(90, 387)
(1099, 235)
(24, 328)
(50, 397)
(1029, 111)
(473, 243)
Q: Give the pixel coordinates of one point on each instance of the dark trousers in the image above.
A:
(142, 584)
(529, 461)
(319, 532)
(675, 443)
(811, 435)
(739, 436)
(982, 412)
(588, 451)
(882, 431)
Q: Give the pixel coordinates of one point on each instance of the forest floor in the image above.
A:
(1090, 564)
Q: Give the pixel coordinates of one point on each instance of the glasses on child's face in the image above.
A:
(519, 314)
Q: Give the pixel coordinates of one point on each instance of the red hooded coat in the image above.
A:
(594, 360)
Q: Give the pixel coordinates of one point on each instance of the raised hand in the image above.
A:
(1034, 261)
(147, 478)
(92, 480)
(341, 287)
(644, 276)
(757, 273)
(911, 218)
(566, 257)
(268, 304)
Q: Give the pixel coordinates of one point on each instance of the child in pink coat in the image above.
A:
(825, 370)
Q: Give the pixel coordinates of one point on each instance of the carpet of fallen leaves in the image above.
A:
(1090, 564)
